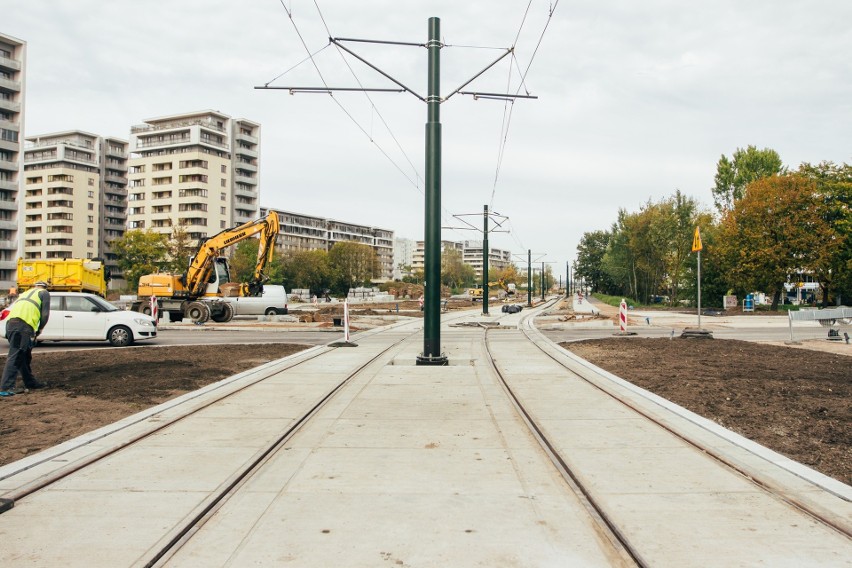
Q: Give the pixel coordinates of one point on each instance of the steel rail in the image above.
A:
(717, 455)
(621, 545)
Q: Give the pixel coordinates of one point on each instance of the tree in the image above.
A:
(590, 253)
(140, 252)
(353, 264)
(244, 262)
(834, 184)
(307, 269)
(454, 272)
(746, 166)
(180, 248)
(777, 229)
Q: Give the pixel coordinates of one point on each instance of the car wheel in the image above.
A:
(271, 311)
(120, 336)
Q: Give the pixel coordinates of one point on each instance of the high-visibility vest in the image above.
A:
(28, 308)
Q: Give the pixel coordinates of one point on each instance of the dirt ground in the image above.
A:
(92, 388)
(793, 401)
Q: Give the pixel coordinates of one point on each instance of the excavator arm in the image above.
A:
(203, 263)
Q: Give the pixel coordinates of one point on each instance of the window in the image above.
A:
(34, 179)
(223, 196)
(90, 231)
(222, 210)
(223, 182)
(91, 218)
(90, 244)
(91, 206)
(91, 194)
(91, 181)
(222, 224)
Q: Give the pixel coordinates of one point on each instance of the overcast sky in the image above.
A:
(636, 99)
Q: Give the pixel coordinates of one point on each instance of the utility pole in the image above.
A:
(529, 278)
(485, 251)
(432, 288)
(432, 252)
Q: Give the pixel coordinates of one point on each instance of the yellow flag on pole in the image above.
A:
(696, 241)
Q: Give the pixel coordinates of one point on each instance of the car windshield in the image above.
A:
(103, 304)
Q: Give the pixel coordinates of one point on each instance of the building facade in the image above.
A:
(306, 232)
(12, 90)
(403, 257)
(196, 170)
(66, 197)
(471, 251)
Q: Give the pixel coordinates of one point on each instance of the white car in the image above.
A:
(76, 316)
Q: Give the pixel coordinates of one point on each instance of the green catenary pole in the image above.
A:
(432, 294)
(485, 261)
(529, 278)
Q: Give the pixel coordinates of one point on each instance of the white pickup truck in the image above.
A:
(272, 302)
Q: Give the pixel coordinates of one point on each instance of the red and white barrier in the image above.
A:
(153, 302)
(346, 321)
(622, 316)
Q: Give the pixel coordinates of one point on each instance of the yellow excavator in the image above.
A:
(197, 294)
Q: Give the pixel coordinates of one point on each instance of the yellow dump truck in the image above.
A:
(67, 275)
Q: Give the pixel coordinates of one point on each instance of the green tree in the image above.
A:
(140, 252)
(180, 248)
(777, 229)
(745, 166)
(590, 252)
(244, 261)
(307, 269)
(834, 184)
(353, 264)
(455, 273)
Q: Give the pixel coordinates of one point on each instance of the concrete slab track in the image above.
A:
(420, 466)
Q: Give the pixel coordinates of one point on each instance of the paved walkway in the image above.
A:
(417, 466)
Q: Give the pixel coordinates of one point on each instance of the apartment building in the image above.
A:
(498, 259)
(403, 257)
(75, 196)
(12, 90)
(197, 170)
(305, 232)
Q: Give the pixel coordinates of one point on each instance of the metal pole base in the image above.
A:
(6, 504)
(343, 344)
(440, 360)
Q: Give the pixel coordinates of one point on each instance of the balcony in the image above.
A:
(8, 185)
(8, 165)
(178, 124)
(251, 153)
(8, 63)
(11, 85)
(8, 225)
(116, 179)
(111, 151)
(9, 145)
(245, 167)
(6, 245)
(9, 105)
(244, 179)
(8, 205)
(247, 138)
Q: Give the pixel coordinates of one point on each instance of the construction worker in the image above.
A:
(27, 317)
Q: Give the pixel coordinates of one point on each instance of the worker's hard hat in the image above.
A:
(41, 283)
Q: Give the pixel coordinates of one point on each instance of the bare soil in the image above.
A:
(793, 401)
(92, 388)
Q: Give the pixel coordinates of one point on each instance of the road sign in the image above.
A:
(696, 241)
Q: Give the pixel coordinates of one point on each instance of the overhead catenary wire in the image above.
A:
(339, 104)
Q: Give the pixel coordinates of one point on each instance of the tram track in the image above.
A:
(813, 510)
(301, 449)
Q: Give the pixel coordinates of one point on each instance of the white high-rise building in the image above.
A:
(197, 170)
(12, 89)
(75, 196)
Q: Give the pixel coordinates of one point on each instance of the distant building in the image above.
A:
(403, 257)
(498, 259)
(198, 170)
(75, 196)
(13, 59)
(300, 232)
